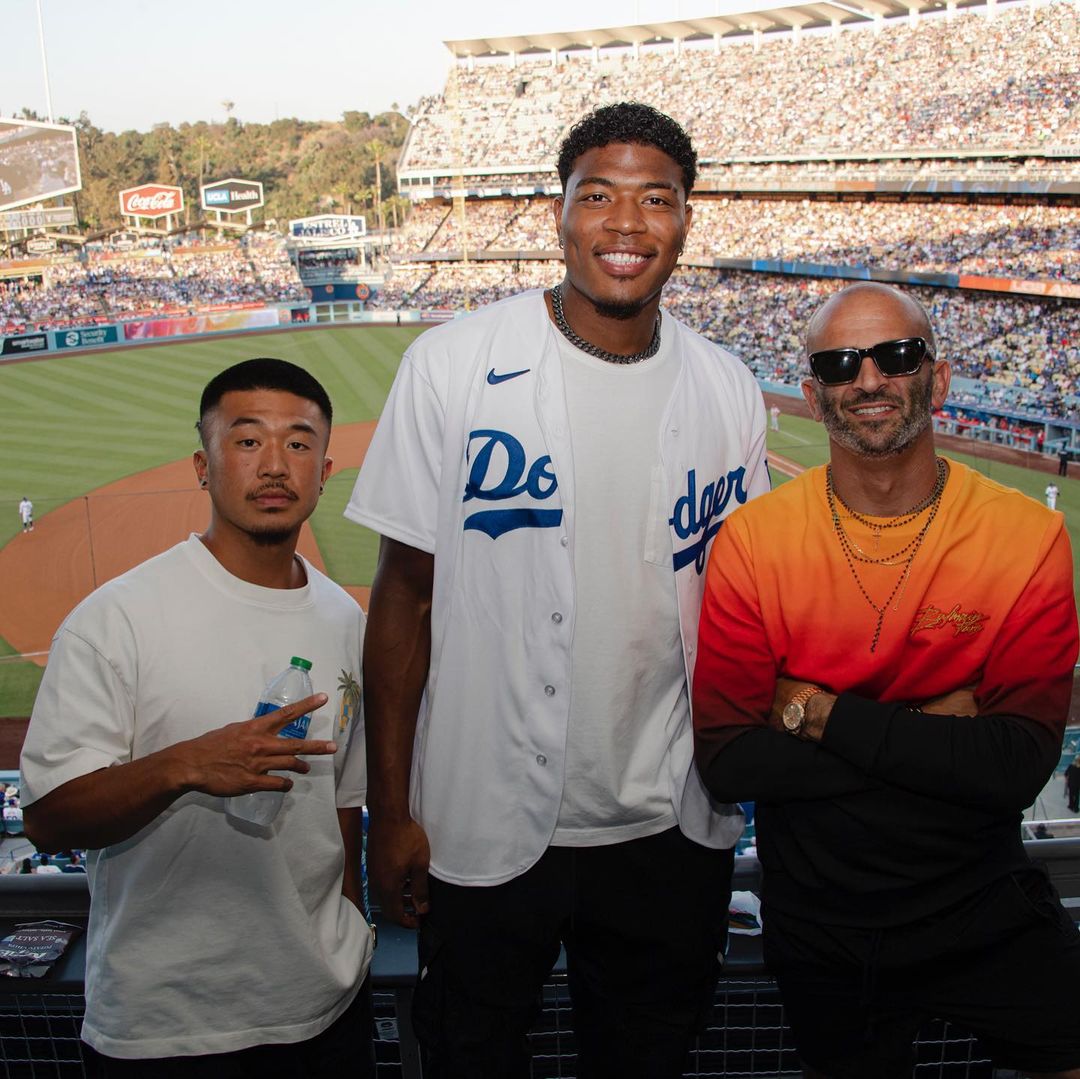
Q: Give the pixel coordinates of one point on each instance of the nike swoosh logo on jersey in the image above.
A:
(494, 379)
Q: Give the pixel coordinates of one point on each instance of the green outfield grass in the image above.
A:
(70, 424)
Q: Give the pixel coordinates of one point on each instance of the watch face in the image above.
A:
(793, 716)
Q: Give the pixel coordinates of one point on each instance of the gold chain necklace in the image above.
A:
(853, 553)
(901, 519)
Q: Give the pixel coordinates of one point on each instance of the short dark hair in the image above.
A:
(263, 373)
(629, 121)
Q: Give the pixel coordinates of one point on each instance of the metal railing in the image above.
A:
(746, 1036)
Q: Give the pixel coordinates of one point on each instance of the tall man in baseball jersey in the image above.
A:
(216, 948)
(547, 477)
(886, 657)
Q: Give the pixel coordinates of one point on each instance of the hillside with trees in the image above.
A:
(306, 167)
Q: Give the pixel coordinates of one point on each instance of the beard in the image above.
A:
(914, 418)
(622, 311)
(271, 537)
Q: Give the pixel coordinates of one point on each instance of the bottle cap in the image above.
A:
(303, 664)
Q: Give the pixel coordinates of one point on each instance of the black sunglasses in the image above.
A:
(836, 366)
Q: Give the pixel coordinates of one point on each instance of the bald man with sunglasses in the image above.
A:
(885, 665)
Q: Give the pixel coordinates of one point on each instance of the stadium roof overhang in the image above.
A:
(764, 17)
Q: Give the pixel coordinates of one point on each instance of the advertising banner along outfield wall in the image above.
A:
(89, 337)
(227, 321)
(24, 344)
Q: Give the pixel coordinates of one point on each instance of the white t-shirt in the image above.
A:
(628, 684)
(206, 936)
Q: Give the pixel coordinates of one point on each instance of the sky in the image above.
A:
(134, 63)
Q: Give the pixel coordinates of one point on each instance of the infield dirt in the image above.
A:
(96, 537)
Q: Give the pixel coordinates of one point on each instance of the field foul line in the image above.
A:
(796, 438)
(783, 464)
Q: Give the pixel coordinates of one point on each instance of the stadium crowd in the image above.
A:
(934, 84)
(155, 277)
(993, 239)
(1026, 351)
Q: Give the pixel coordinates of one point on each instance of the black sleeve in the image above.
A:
(997, 763)
(761, 764)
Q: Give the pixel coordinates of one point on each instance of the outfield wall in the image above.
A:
(139, 331)
(113, 335)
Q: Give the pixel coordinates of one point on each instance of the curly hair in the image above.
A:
(628, 121)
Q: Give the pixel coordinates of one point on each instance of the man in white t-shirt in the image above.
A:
(547, 476)
(216, 947)
(26, 514)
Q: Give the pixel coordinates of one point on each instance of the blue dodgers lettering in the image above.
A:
(694, 517)
(496, 522)
(496, 477)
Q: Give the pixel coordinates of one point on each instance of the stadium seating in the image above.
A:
(157, 277)
(975, 107)
(937, 84)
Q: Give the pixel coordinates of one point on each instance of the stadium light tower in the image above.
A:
(44, 62)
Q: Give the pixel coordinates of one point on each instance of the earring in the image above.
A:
(202, 483)
(560, 240)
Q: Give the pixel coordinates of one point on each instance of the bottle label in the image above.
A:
(296, 728)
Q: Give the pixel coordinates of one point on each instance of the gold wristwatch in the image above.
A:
(794, 714)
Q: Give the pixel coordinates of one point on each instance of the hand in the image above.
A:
(398, 859)
(236, 759)
(960, 702)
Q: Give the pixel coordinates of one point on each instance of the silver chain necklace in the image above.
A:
(596, 350)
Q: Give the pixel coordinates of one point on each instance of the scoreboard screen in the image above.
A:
(37, 162)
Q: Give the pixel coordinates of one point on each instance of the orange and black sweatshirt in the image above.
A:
(896, 814)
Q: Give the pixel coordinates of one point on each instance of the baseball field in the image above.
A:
(101, 444)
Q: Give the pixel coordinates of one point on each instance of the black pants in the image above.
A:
(344, 1050)
(1003, 964)
(644, 924)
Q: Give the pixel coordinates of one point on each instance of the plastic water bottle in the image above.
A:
(292, 685)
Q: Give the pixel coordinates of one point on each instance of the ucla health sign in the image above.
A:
(88, 337)
(233, 195)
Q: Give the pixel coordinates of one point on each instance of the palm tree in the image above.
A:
(376, 147)
(344, 195)
(398, 205)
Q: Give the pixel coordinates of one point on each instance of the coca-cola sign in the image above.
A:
(151, 200)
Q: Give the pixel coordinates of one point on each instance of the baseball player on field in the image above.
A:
(26, 514)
